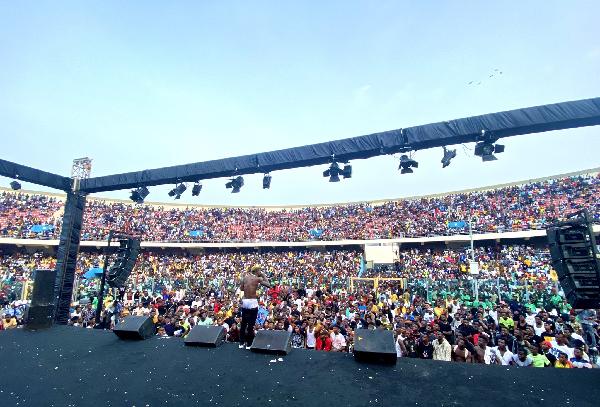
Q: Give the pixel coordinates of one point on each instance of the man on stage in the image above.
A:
(250, 282)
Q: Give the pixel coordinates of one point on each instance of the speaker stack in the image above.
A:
(575, 259)
(41, 312)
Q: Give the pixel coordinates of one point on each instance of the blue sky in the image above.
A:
(151, 84)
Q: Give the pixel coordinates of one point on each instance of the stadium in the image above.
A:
(277, 204)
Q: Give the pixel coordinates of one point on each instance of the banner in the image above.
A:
(41, 228)
(316, 232)
(457, 225)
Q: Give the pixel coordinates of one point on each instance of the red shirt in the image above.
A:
(319, 345)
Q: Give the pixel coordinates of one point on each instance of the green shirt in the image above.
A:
(507, 323)
(539, 360)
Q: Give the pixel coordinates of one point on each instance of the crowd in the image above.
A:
(517, 316)
(515, 208)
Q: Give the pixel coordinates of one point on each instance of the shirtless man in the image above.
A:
(250, 282)
(460, 353)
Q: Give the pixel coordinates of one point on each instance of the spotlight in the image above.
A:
(347, 171)
(485, 148)
(138, 195)
(177, 191)
(406, 163)
(267, 181)
(196, 188)
(448, 156)
(235, 184)
(334, 171)
(15, 185)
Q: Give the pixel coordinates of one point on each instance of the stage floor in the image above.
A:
(66, 366)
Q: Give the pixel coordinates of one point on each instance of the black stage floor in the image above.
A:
(81, 367)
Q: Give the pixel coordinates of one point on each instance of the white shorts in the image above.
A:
(249, 303)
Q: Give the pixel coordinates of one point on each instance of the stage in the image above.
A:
(66, 366)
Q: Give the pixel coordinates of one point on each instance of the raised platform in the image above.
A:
(66, 366)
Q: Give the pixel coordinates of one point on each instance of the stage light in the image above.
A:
(448, 156)
(334, 171)
(406, 163)
(235, 184)
(138, 195)
(486, 150)
(177, 191)
(196, 189)
(15, 185)
(267, 181)
(486, 147)
(347, 171)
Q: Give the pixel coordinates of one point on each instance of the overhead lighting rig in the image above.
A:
(267, 181)
(196, 188)
(407, 164)
(448, 156)
(178, 191)
(334, 171)
(235, 184)
(486, 147)
(139, 194)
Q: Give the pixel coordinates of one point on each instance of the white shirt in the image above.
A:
(539, 330)
(398, 350)
(311, 341)
(504, 359)
(338, 341)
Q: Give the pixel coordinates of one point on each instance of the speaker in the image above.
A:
(272, 342)
(39, 316)
(43, 287)
(126, 256)
(575, 258)
(209, 336)
(134, 327)
(41, 312)
(375, 346)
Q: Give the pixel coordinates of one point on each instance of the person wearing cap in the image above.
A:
(250, 282)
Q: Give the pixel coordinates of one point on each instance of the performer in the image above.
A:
(250, 282)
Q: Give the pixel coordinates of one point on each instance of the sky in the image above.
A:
(147, 84)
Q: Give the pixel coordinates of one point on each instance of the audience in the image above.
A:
(513, 313)
(515, 208)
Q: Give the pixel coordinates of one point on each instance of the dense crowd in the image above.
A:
(517, 316)
(514, 208)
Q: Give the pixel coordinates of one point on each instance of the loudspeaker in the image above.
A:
(41, 312)
(135, 328)
(126, 256)
(39, 316)
(376, 346)
(574, 257)
(43, 287)
(273, 342)
(210, 336)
